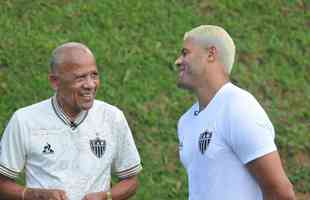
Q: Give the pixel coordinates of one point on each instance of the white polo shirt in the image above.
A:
(76, 157)
(217, 143)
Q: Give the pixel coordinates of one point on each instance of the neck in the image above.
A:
(72, 115)
(207, 91)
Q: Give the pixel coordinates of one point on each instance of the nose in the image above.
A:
(89, 83)
(178, 61)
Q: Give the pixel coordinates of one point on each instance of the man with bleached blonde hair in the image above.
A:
(207, 35)
(226, 140)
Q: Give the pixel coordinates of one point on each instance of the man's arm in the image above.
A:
(9, 189)
(12, 191)
(126, 164)
(121, 191)
(271, 177)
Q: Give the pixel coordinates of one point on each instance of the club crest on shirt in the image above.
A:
(98, 147)
(204, 141)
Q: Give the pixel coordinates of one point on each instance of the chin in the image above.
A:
(87, 106)
(183, 85)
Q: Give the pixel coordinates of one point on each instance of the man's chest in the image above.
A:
(84, 151)
(202, 143)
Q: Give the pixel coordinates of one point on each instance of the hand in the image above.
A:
(95, 196)
(45, 194)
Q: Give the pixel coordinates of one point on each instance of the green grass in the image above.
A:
(136, 43)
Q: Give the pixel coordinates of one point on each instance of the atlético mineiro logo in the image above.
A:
(204, 140)
(98, 146)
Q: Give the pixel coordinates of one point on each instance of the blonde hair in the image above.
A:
(210, 35)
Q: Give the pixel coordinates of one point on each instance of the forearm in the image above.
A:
(286, 192)
(125, 189)
(9, 189)
(121, 191)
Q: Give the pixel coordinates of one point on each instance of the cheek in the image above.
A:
(191, 68)
(73, 92)
(66, 86)
(64, 91)
(97, 82)
(196, 67)
(190, 63)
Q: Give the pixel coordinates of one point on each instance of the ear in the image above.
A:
(212, 53)
(54, 81)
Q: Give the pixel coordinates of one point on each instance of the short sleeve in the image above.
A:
(127, 162)
(251, 132)
(12, 151)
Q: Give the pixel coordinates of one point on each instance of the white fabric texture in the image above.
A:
(57, 155)
(217, 143)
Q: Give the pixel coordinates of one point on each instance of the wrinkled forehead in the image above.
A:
(73, 55)
(72, 58)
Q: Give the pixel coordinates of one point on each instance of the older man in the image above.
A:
(226, 139)
(71, 143)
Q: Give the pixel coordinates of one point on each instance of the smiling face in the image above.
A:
(75, 80)
(191, 64)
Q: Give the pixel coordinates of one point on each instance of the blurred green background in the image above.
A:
(136, 43)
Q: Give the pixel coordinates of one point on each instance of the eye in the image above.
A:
(95, 75)
(184, 52)
(80, 78)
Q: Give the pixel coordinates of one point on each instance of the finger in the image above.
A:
(57, 195)
(85, 197)
(66, 197)
(63, 195)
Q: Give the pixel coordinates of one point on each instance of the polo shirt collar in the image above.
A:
(64, 117)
